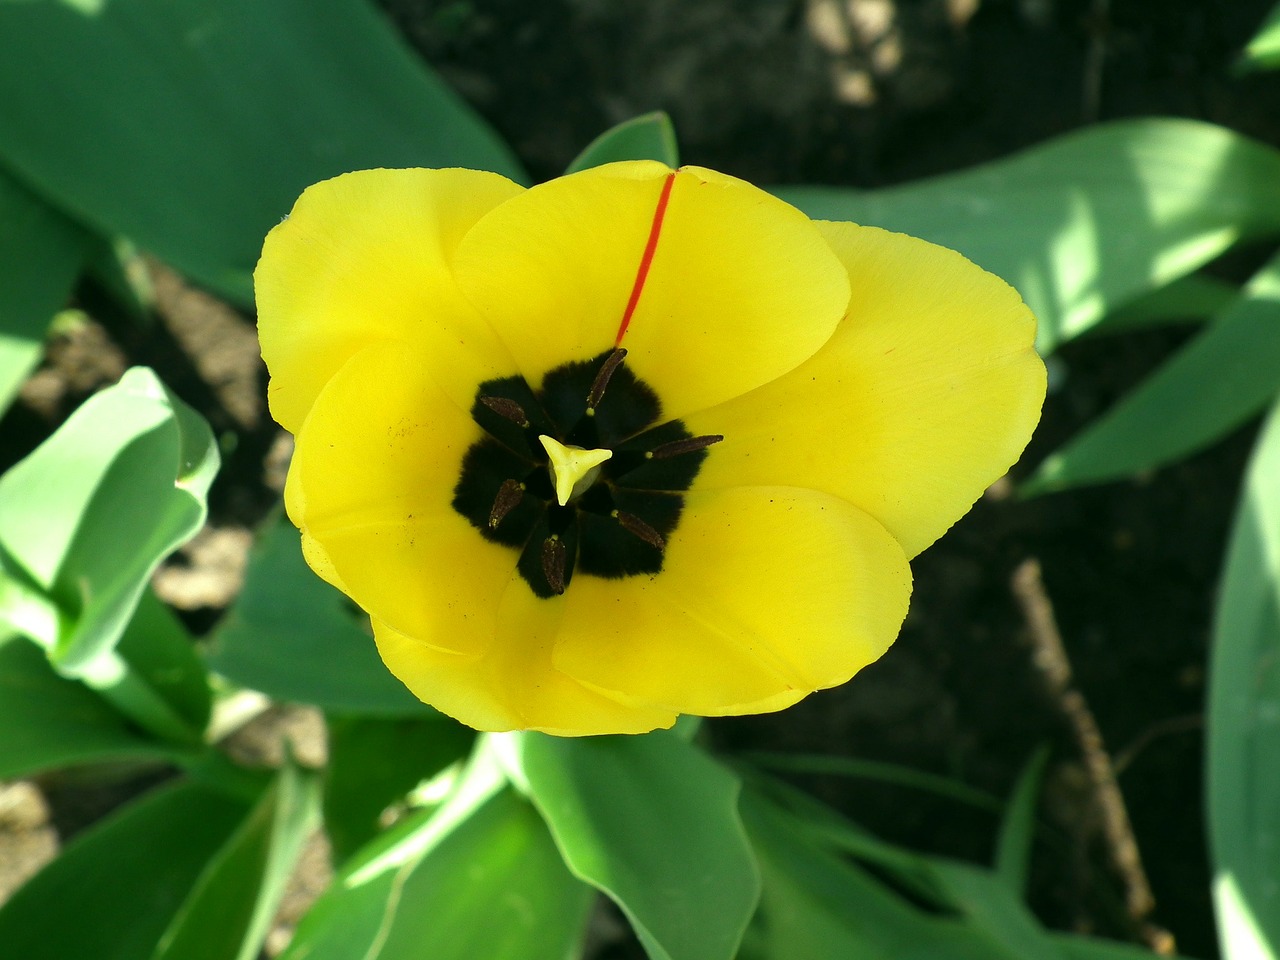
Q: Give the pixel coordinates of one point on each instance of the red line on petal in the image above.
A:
(647, 259)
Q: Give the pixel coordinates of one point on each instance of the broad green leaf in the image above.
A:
(1191, 298)
(1088, 222)
(115, 888)
(90, 514)
(84, 522)
(294, 637)
(229, 913)
(813, 898)
(1013, 846)
(41, 252)
(983, 899)
(970, 912)
(1244, 717)
(992, 908)
(1225, 375)
(816, 906)
(162, 654)
(647, 137)
(1263, 51)
(1091, 948)
(49, 721)
(374, 762)
(986, 903)
(191, 126)
(911, 870)
(479, 877)
(653, 823)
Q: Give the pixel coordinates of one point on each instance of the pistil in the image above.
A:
(573, 468)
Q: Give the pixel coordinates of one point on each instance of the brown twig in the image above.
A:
(1050, 659)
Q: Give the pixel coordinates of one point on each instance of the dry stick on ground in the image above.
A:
(1050, 659)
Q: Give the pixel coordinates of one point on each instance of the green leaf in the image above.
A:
(51, 722)
(294, 637)
(891, 773)
(478, 877)
(1244, 717)
(162, 654)
(1188, 299)
(990, 921)
(90, 514)
(1225, 375)
(1091, 948)
(234, 106)
(983, 899)
(990, 906)
(816, 906)
(652, 822)
(647, 137)
(374, 762)
(41, 252)
(1013, 846)
(84, 522)
(1263, 51)
(115, 888)
(910, 870)
(229, 913)
(1090, 221)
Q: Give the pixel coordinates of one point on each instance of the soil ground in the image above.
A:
(863, 93)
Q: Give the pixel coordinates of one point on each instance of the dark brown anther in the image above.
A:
(677, 447)
(553, 560)
(504, 407)
(509, 496)
(634, 525)
(601, 382)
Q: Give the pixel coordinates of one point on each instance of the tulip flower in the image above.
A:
(632, 443)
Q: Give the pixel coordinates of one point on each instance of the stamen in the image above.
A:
(505, 407)
(646, 260)
(553, 560)
(509, 496)
(677, 447)
(633, 524)
(601, 382)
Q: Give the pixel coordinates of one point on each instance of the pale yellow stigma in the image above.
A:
(573, 468)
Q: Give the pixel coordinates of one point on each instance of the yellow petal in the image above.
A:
(765, 594)
(382, 442)
(362, 258)
(371, 485)
(513, 686)
(926, 394)
(741, 287)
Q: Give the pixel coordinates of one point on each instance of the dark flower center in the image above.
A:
(619, 524)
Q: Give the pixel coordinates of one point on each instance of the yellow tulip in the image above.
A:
(632, 443)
